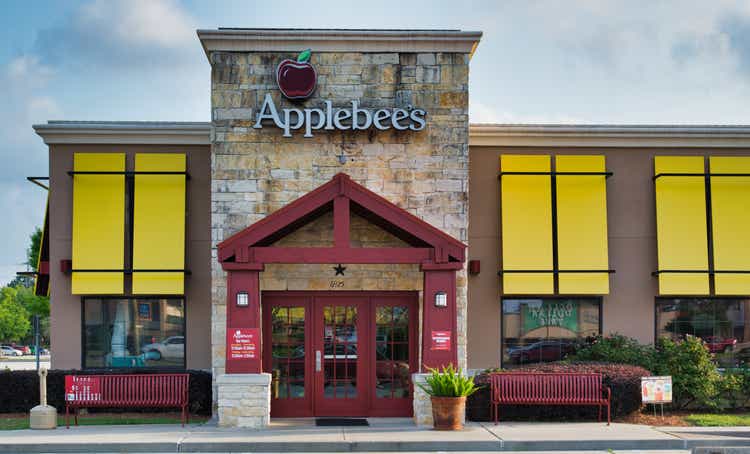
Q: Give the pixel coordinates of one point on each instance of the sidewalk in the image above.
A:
(391, 434)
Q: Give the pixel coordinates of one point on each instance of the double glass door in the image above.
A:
(340, 354)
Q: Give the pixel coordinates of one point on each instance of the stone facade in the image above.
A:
(244, 400)
(257, 171)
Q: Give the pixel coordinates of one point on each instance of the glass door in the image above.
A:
(288, 359)
(394, 332)
(341, 356)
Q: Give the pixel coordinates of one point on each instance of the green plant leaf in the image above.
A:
(450, 382)
(304, 56)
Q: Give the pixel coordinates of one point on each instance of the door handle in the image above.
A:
(318, 362)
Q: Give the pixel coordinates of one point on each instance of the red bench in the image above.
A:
(128, 391)
(520, 388)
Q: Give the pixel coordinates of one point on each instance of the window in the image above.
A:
(546, 329)
(723, 323)
(133, 332)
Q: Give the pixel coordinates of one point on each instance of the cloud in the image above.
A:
(735, 28)
(133, 33)
(26, 101)
(24, 81)
(482, 113)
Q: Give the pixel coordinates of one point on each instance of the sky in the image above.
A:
(539, 61)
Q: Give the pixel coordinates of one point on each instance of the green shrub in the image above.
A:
(695, 380)
(449, 382)
(616, 349)
(732, 389)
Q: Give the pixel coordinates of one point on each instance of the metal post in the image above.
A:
(36, 341)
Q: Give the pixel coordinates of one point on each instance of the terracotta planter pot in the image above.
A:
(448, 412)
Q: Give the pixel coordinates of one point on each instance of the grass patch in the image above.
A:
(17, 421)
(717, 420)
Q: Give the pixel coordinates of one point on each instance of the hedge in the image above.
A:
(624, 381)
(19, 390)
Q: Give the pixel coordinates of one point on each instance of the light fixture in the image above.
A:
(243, 299)
(441, 299)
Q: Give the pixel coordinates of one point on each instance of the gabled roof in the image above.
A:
(364, 202)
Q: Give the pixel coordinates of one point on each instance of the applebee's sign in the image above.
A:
(297, 80)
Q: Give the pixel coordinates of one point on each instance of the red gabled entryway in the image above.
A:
(339, 327)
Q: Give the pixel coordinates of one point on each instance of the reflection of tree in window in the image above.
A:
(722, 323)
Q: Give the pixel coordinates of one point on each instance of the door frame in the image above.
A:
(306, 407)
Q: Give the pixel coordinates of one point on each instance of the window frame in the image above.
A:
(597, 299)
(130, 298)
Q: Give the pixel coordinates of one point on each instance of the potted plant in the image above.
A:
(448, 390)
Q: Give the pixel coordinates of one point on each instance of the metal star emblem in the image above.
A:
(339, 270)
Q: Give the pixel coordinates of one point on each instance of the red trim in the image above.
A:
(341, 222)
(339, 193)
(340, 255)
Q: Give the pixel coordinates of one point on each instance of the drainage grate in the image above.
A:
(341, 422)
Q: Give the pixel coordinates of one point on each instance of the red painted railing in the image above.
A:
(147, 390)
(520, 388)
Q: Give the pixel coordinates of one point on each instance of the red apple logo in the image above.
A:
(296, 79)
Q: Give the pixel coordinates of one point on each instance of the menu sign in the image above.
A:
(656, 390)
(441, 340)
(242, 343)
(81, 387)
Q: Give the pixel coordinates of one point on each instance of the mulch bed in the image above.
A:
(648, 418)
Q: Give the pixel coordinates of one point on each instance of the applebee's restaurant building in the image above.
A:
(339, 227)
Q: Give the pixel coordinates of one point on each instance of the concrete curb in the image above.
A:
(365, 446)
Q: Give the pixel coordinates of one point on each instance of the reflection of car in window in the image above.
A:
(343, 351)
(542, 351)
(717, 344)
(170, 348)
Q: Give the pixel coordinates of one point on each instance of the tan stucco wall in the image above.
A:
(65, 308)
(629, 307)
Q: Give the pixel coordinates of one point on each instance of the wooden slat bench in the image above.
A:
(521, 388)
(131, 391)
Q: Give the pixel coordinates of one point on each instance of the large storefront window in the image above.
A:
(546, 329)
(133, 332)
(723, 323)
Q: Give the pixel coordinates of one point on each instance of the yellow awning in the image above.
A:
(582, 225)
(730, 216)
(159, 225)
(681, 225)
(98, 223)
(526, 224)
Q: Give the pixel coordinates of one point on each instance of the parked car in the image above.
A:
(172, 347)
(716, 344)
(10, 351)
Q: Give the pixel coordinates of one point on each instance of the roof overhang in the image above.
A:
(480, 135)
(337, 40)
(130, 132)
(622, 136)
